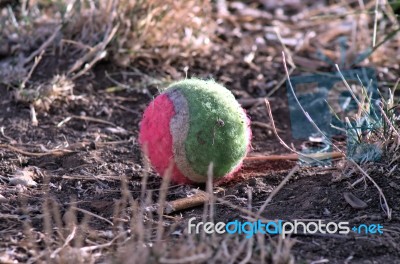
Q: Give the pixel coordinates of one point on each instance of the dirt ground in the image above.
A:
(89, 176)
(103, 151)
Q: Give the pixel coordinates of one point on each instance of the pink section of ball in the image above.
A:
(156, 139)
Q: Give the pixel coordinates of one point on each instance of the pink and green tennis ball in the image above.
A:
(191, 124)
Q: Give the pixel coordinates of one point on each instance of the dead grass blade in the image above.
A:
(277, 189)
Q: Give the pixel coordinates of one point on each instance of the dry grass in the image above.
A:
(370, 138)
(155, 30)
(163, 31)
(160, 35)
(125, 31)
(134, 235)
(155, 33)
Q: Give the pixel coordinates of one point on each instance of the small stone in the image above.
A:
(354, 201)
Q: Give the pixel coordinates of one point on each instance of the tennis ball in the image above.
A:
(192, 124)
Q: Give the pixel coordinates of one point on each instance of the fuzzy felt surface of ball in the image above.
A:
(192, 124)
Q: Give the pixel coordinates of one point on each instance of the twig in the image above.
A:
(85, 118)
(59, 152)
(43, 46)
(263, 125)
(389, 123)
(33, 115)
(317, 156)
(375, 23)
(91, 248)
(67, 241)
(35, 154)
(198, 199)
(98, 52)
(64, 121)
(277, 135)
(162, 199)
(351, 90)
(277, 189)
(387, 210)
(302, 109)
(35, 64)
(11, 140)
(279, 83)
(119, 84)
(92, 214)
(282, 81)
(9, 216)
(387, 37)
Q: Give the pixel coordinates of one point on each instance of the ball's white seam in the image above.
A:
(179, 127)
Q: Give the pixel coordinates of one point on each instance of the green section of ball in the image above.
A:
(218, 129)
